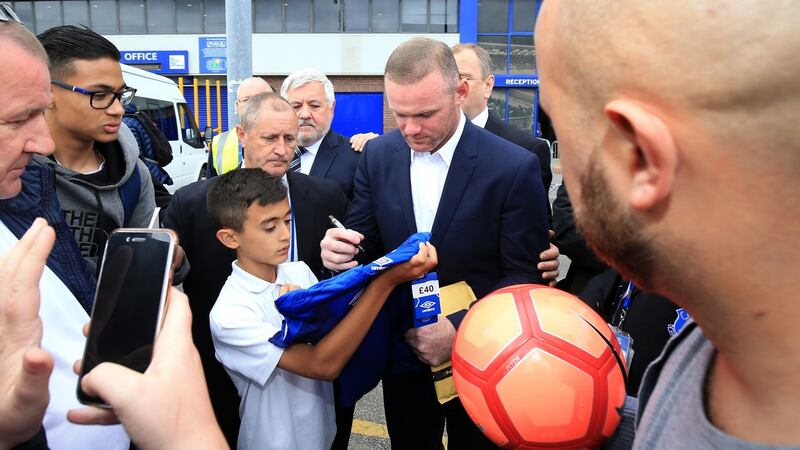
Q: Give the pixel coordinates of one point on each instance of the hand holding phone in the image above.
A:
(131, 297)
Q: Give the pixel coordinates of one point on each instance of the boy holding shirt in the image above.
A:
(287, 400)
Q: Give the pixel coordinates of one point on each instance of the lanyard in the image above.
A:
(624, 304)
(293, 256)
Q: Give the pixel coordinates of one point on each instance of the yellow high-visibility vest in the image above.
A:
(230, 156)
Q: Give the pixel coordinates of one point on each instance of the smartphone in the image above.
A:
(132, 294)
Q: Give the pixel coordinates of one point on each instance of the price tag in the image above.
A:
(425, 295)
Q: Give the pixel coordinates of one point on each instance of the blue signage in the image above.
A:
(158, 61)
(516, 81)
(213, 55)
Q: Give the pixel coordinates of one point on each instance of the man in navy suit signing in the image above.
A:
(321, 152)
(483, 201)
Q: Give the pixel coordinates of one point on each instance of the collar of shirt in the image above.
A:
(252, 283)
(314, 148)
(447, 150)
(481, 119)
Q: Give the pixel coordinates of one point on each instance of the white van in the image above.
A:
(164, 103)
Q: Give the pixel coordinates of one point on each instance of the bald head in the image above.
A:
(249, 88)
(731, 65)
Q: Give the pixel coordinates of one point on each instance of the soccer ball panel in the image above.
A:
(547, 399)
(566, 320)
(483, 341)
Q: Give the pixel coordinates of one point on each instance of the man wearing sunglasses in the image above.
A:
(100, 181)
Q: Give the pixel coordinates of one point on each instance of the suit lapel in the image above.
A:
(401, 181)
(326, 153)
(455, 186)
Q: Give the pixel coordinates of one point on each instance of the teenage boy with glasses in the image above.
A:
(100, 181)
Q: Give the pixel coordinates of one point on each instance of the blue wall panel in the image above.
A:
(357, 112)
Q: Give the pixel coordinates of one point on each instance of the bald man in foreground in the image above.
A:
(683, 151)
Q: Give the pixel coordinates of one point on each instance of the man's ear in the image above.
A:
(228, 238)
(462, 90)
(488, 87)
(241, 134)
(654, 157)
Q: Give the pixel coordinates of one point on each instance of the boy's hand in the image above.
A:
(425, 260)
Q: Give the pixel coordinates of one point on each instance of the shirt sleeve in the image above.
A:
(241, 340)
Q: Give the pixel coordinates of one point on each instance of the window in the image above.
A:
(188, 16)
(187, 123)
(444, 14)
(132, 12)
(385, 16)
(326, 16)
(268, 16)
(47, 15)
(356, 16)
(76, 13)
(162, 113)
(493, 16)
(160, 17)
(415, 16)
(506, 30)
(522, 56)
(103, 15)
(497, 48)
(213, 16)
(25, 12)
(298, 16)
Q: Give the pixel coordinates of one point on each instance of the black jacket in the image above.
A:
(312, 199)
(538, 147)
(336, 160)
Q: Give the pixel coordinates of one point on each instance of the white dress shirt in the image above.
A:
(307, 158)
(481, 119)
(428, 173)
(279, 409)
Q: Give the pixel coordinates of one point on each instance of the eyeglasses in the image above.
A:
(7, 13)
(101, 99)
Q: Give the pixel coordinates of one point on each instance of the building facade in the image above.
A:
(349, 40)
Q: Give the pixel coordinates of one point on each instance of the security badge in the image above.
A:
(425, 295)
(626, 344)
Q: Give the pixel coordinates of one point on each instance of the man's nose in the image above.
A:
(116, 108)
(40, 140)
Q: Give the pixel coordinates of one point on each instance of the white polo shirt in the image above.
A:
(279, 409)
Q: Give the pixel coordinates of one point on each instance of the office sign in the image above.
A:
(157, 61)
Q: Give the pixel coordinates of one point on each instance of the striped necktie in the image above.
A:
(294, 166)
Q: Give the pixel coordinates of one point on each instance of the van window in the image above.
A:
(162, 113)
(187, 123)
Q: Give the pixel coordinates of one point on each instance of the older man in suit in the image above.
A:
(321, 152)
(475, 66)
(481, 198)
(312, 199)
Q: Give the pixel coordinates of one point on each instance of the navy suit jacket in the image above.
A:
(336, 160)
(490, 226)
(538, 147)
